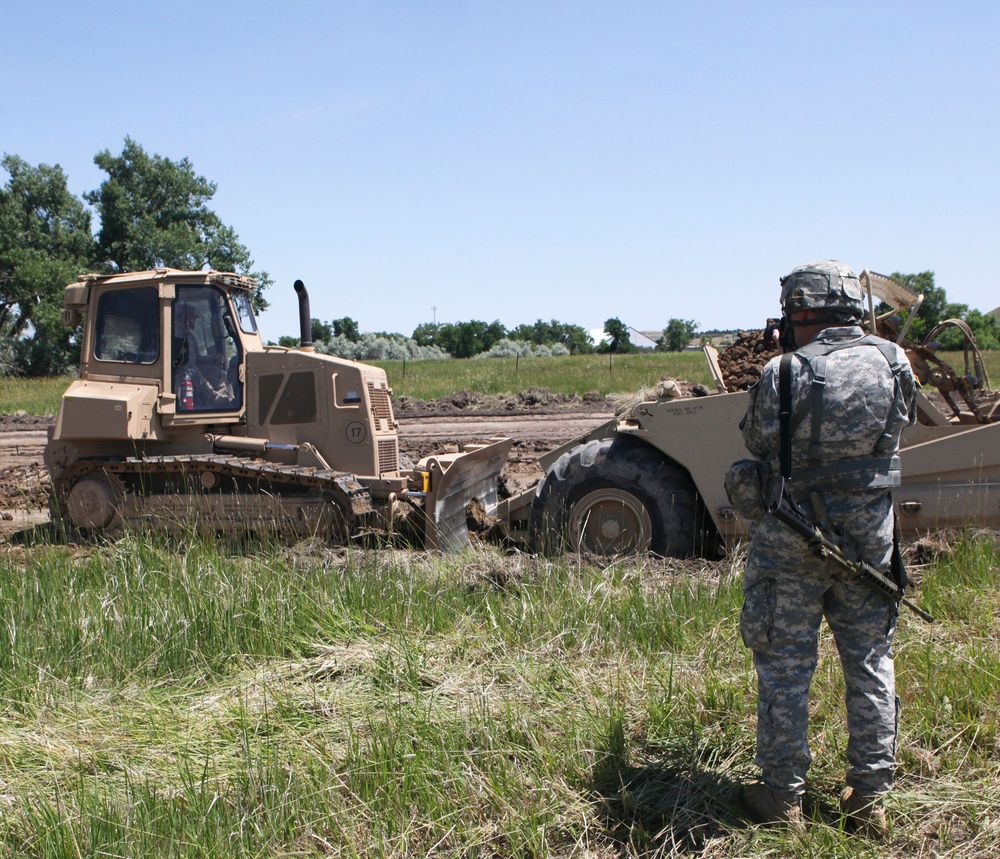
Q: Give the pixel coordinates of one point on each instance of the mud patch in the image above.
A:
(21, 421)
(24, 482)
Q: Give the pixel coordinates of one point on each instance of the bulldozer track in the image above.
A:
(21, 453)
(235, 466)
(340, 488)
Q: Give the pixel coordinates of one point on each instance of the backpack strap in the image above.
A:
(818, 365)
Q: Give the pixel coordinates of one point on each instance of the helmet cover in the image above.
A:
(824, 285)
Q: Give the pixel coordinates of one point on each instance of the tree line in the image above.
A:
(473, 338)
(477, 338)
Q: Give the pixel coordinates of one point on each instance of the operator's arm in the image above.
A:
(904, 408)
(760, 424)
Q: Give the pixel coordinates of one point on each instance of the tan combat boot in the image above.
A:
(864, 813)
(772, 807)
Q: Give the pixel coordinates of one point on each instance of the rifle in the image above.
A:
(827, 546)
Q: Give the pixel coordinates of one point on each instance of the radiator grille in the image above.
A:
(388, 456)
(380, 402)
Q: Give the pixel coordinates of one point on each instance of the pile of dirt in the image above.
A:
(741, 363)
(24, 482)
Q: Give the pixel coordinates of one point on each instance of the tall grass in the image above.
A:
(32, 396)
(176, 697)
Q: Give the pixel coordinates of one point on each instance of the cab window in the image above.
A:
(244, 312)
(206, 354)
(127, 328)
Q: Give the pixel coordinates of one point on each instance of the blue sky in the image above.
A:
(517, 160)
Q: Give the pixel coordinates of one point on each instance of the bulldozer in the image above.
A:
(651, 480)
(183, 417)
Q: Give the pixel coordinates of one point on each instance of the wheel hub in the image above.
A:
(610, 529)
(611, 522)
(92, 503)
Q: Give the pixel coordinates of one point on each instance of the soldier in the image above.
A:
(851, 396)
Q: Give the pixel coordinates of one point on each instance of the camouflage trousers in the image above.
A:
(788, 592)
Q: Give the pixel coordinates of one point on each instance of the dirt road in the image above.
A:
(550, 428)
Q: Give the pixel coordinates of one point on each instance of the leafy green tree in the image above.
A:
(347, 328)
(465, 339)
(573, 337)
(936, 308)
(45, 243)
(426, 334)
(320, 331)
(323, 332)
(154, 214)
(618, 336)
(677, 335)
(492, 334)
(577, 340)
(986, 329)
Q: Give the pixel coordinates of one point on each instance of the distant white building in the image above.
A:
(634, 335)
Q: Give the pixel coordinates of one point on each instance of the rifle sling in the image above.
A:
(785, 415)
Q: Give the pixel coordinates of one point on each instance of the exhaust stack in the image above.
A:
(305, 322)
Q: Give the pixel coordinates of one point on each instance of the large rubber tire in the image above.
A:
(616, 496)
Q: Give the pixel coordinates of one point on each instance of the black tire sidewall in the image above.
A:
(629, 465)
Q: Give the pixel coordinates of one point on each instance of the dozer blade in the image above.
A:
(456, 479)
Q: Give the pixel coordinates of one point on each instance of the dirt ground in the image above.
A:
(24, 485)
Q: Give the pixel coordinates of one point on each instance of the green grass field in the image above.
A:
(188, 699)
(573, 374)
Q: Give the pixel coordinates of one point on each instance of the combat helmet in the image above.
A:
(824, 285)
